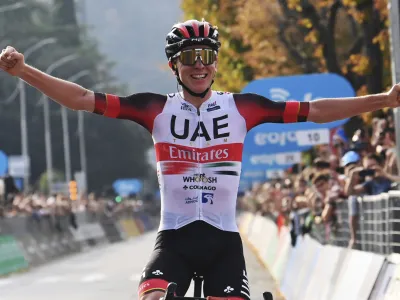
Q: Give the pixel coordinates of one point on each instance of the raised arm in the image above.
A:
(141, 108)
(332, 109)
(66, 93)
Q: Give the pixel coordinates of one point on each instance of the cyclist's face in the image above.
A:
(198, 76)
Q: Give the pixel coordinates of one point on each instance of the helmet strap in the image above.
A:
(201, 95)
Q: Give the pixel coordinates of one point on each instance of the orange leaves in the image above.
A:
(359, 64)
(305, 23)
(382, 38)
(260, 38)
(295, 5)
(311, 37)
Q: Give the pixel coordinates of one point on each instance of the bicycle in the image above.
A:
(198, 282)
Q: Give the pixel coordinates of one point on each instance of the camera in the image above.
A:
(367, 172)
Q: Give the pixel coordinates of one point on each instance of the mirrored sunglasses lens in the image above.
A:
(207, 56)
(188, 57)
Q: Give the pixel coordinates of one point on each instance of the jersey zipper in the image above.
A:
(199, 168)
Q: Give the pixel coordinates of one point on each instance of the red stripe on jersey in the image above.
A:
(304, 111)
(291, 111)
(195, 28)
(151, 285)
(206, 29)
(177, 167)
(113, 106)
(100, 103)
(224, 152)
(182, 28)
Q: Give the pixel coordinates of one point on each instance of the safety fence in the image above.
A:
(377, 224)
(31, 241)
(310, 270)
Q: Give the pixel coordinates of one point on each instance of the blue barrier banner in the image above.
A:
(128, 186)
(3, 163)
(276, 138)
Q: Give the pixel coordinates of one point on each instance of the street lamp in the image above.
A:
(22, 99)
(64, 118)
(46, 113)
(81, 132)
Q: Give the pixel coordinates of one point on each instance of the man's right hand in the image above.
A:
(11, 61)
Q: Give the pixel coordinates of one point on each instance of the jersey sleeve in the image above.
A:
(257, 110)
(141, 108)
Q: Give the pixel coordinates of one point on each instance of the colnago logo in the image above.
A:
(189, 200)
(197, 178)
(200, 187)
(281, 138)
(186, 106)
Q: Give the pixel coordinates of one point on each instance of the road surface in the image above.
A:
(109, 272)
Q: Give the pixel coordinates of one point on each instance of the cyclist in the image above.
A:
(198, 135)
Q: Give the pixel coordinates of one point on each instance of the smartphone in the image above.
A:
(340, 170)
(322, 165)
(367, 172)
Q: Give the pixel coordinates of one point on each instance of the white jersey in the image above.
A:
(199, 151)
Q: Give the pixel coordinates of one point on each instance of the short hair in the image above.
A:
(374, 156)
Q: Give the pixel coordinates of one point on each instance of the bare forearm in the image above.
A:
(332, 109)
(65, 93)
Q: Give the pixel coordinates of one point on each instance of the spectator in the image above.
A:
(350, 161)
(10, 189)
(377, 181)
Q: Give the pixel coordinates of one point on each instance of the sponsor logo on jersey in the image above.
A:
(207, 198)
(186, 106)
(200, 178)
(190, 200)
(213, 108)
(219, 153)
(199, 187)
(212, 104)
(218, 130)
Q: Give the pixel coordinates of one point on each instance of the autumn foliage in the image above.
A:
(282, 37)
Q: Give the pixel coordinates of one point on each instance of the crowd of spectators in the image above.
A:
(50, 209)
(362, 164)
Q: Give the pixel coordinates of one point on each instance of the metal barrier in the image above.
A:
(29, 241)
(378, 227)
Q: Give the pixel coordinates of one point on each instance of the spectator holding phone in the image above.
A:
(377, 181)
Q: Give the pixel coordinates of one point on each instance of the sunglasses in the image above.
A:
(190, 56)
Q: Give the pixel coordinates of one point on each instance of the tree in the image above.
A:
(111, 144)
(281, 37)
(233, 71)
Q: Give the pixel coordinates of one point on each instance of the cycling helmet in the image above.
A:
(191, 33)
